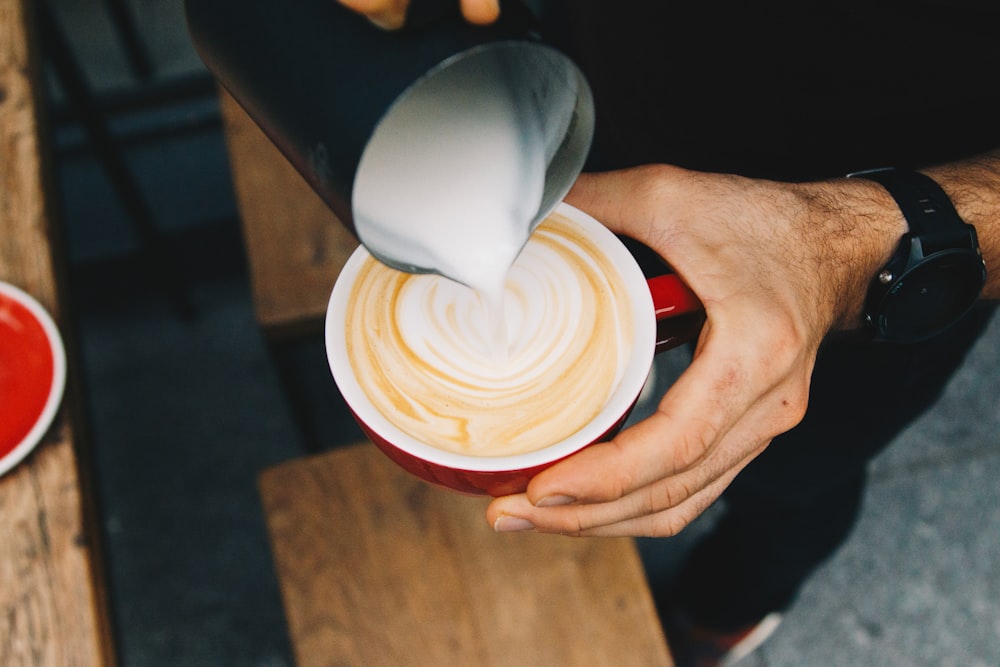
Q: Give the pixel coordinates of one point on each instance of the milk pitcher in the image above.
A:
(345, 101)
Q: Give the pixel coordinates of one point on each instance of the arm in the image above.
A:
(778, 266)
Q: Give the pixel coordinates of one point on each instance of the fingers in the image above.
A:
(386, 14)
(607, 519)
(391, 14)
(480, 12)
(670, 521)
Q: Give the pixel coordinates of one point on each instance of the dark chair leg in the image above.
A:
(166, 272)
(138, 56)
(282, 360)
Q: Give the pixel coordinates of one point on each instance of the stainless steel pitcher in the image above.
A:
(320, 80)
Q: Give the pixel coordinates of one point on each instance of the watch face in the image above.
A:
(931, 296)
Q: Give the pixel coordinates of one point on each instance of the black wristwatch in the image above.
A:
(937, 272)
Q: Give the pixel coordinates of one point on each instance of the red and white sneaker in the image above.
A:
(696, 646)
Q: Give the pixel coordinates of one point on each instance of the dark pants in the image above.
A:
(795, 505)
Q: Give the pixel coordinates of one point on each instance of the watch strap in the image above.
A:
(927, 208)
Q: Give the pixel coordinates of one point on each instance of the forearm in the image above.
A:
(974, 187)
(853, 227)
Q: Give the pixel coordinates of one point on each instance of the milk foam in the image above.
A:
(420, 348)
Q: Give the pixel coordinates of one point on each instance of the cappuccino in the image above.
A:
(422, 349)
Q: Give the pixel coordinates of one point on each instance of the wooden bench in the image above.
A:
(295, 245)
(378, 568)
(53, 601)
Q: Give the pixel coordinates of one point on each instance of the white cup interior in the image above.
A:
(621, 400)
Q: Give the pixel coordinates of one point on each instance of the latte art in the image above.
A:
(421, 347)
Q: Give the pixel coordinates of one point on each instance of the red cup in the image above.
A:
(656, 304)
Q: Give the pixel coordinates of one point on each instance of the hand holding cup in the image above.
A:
(777, 266)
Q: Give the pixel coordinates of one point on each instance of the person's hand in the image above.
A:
(777, 266)
(391, 14)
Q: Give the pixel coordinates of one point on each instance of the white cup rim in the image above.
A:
(621, 401)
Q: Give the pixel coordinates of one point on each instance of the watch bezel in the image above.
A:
(920, 324)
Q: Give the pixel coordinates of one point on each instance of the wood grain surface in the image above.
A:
(295, 245)
(52, 599)
(379, 568)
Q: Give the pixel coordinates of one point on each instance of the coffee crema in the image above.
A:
(420, 347)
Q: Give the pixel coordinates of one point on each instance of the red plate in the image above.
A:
(32, 374)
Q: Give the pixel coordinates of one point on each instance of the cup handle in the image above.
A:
(679, 313)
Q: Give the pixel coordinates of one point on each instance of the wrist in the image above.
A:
(855, 227)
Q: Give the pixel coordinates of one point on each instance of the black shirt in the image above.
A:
(788, 90)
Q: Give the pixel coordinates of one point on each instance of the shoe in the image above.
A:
(694, 646)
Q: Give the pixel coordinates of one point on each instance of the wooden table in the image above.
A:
(379, 568)
(53, 609)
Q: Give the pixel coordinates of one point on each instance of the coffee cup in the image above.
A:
(583, 321)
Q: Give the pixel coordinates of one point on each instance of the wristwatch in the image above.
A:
(937, 272)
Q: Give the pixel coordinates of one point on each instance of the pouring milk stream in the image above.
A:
(453, 180)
